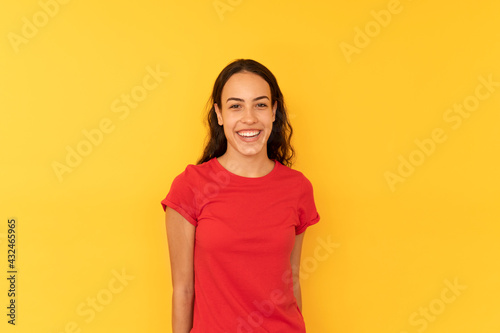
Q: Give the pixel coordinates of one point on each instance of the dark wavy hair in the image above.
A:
(279, 143)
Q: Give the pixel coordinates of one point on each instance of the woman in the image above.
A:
(236, 220)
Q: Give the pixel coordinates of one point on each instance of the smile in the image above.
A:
(249, 134)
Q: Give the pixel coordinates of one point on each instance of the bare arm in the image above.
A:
(295, 262)
(180, 236)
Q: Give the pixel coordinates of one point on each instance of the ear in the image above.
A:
(219, 114)
(275, 107)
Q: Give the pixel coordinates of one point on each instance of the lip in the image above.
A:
(245, 139)
(249, 129)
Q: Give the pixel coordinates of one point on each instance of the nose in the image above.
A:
(248, 116)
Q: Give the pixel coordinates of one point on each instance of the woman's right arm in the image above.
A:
(180, 236)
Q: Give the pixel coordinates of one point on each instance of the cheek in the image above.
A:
(226, 131)
(228, 128)
(269, 122)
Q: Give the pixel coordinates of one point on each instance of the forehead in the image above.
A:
(246, 84)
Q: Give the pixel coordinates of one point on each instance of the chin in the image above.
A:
(249, 152)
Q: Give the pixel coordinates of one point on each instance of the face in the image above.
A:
(246, 114)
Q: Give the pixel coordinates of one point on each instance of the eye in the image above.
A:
(262, 105)
(234, 106)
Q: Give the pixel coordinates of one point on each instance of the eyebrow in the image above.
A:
(242, 100)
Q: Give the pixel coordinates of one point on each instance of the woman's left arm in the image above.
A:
(295, 262)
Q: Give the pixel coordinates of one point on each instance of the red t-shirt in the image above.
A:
(245, 232)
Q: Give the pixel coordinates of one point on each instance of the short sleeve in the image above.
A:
(308, 214)
(181, 198)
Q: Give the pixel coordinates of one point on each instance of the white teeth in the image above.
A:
(249, 134)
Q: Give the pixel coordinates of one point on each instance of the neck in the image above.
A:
(247, 166)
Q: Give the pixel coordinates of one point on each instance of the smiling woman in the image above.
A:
(247, 121)
(263, 84)
(235, 255)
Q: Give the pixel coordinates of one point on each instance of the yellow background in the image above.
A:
(354, 116)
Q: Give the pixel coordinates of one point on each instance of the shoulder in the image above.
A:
(293, 175)
(193, 173)
(296, 181)
(198, 169)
